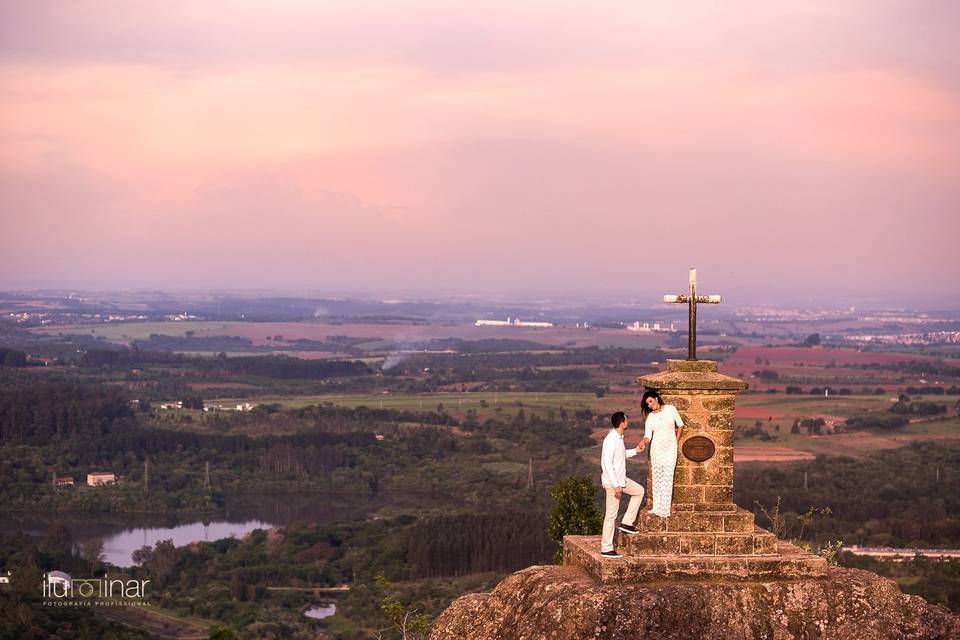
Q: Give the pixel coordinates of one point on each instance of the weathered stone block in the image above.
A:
(696, 474)
(690, 493)
(713, 506)
(651, 544)
(672, 382)
(713, 474)
(717, 493)
(697, 366)
(698, 545)
(648, 522)
(694, 521)
(740, 522)
(764, 543)
(723, 456)
(720, 403)
(721, 421)
(735, 544)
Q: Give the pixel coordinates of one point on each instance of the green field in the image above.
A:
(812, 406)
(946, 428)
(453, 402)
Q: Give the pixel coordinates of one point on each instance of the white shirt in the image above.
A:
(613, 461)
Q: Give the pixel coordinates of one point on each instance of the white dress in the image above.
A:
(659, 427)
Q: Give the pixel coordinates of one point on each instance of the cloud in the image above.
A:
(480, 147)
(468, 37)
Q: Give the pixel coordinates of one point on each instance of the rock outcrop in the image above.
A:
(565, 603)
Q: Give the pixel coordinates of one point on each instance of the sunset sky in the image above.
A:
(799, 151)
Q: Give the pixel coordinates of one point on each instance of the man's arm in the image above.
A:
(606, 463)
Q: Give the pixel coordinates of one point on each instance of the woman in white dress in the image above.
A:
(663, 426)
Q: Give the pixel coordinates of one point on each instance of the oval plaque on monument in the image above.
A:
(698, 449)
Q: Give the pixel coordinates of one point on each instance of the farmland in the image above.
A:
(416, 416)
(285, 334)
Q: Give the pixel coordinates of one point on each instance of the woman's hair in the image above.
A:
(649, 393)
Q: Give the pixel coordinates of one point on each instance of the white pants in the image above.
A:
(635, 491)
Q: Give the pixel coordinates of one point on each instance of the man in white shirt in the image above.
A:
(613, 466)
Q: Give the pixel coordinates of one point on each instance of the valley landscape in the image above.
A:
(261, 470)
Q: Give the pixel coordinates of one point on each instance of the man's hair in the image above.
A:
(618, 418)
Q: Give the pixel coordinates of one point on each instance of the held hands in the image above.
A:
(617, 491)
(642, 445)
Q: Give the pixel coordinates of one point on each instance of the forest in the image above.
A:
(475, 482)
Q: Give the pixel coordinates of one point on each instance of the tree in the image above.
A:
(812, 340)
(142, 556)
(407, 622)
(160, 561)
(58, 543)
(92, 551)
(12, 358)
(575, 512)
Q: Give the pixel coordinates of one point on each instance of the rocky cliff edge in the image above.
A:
(564, 603)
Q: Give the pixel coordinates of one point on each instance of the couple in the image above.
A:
(663, 426)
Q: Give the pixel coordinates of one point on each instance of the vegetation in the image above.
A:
(575, 512)
(490, 445)
(907, 497)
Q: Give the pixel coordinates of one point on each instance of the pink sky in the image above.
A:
(792, 151)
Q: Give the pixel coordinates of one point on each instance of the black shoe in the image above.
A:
(629, 529)
(610, 554)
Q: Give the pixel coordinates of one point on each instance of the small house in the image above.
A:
(63, 481)
(99, 478)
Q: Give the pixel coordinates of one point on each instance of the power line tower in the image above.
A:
(206, 477)
(530, 475)
(146, 476)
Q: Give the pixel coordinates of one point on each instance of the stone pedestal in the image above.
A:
(706, 401)
(707, 536)
(785, 561)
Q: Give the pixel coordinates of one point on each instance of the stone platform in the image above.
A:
(730, 531)
(783, 561)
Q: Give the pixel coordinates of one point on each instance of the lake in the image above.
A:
(124, 533)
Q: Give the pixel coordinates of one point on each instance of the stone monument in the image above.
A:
(707, 535)
(706, 572)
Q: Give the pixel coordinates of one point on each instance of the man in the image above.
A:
(613, 466)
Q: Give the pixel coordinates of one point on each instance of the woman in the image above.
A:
(663, 426)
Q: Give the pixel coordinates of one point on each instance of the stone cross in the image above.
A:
(692, 299)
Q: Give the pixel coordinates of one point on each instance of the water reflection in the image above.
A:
(124, 533)
(118, 549)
